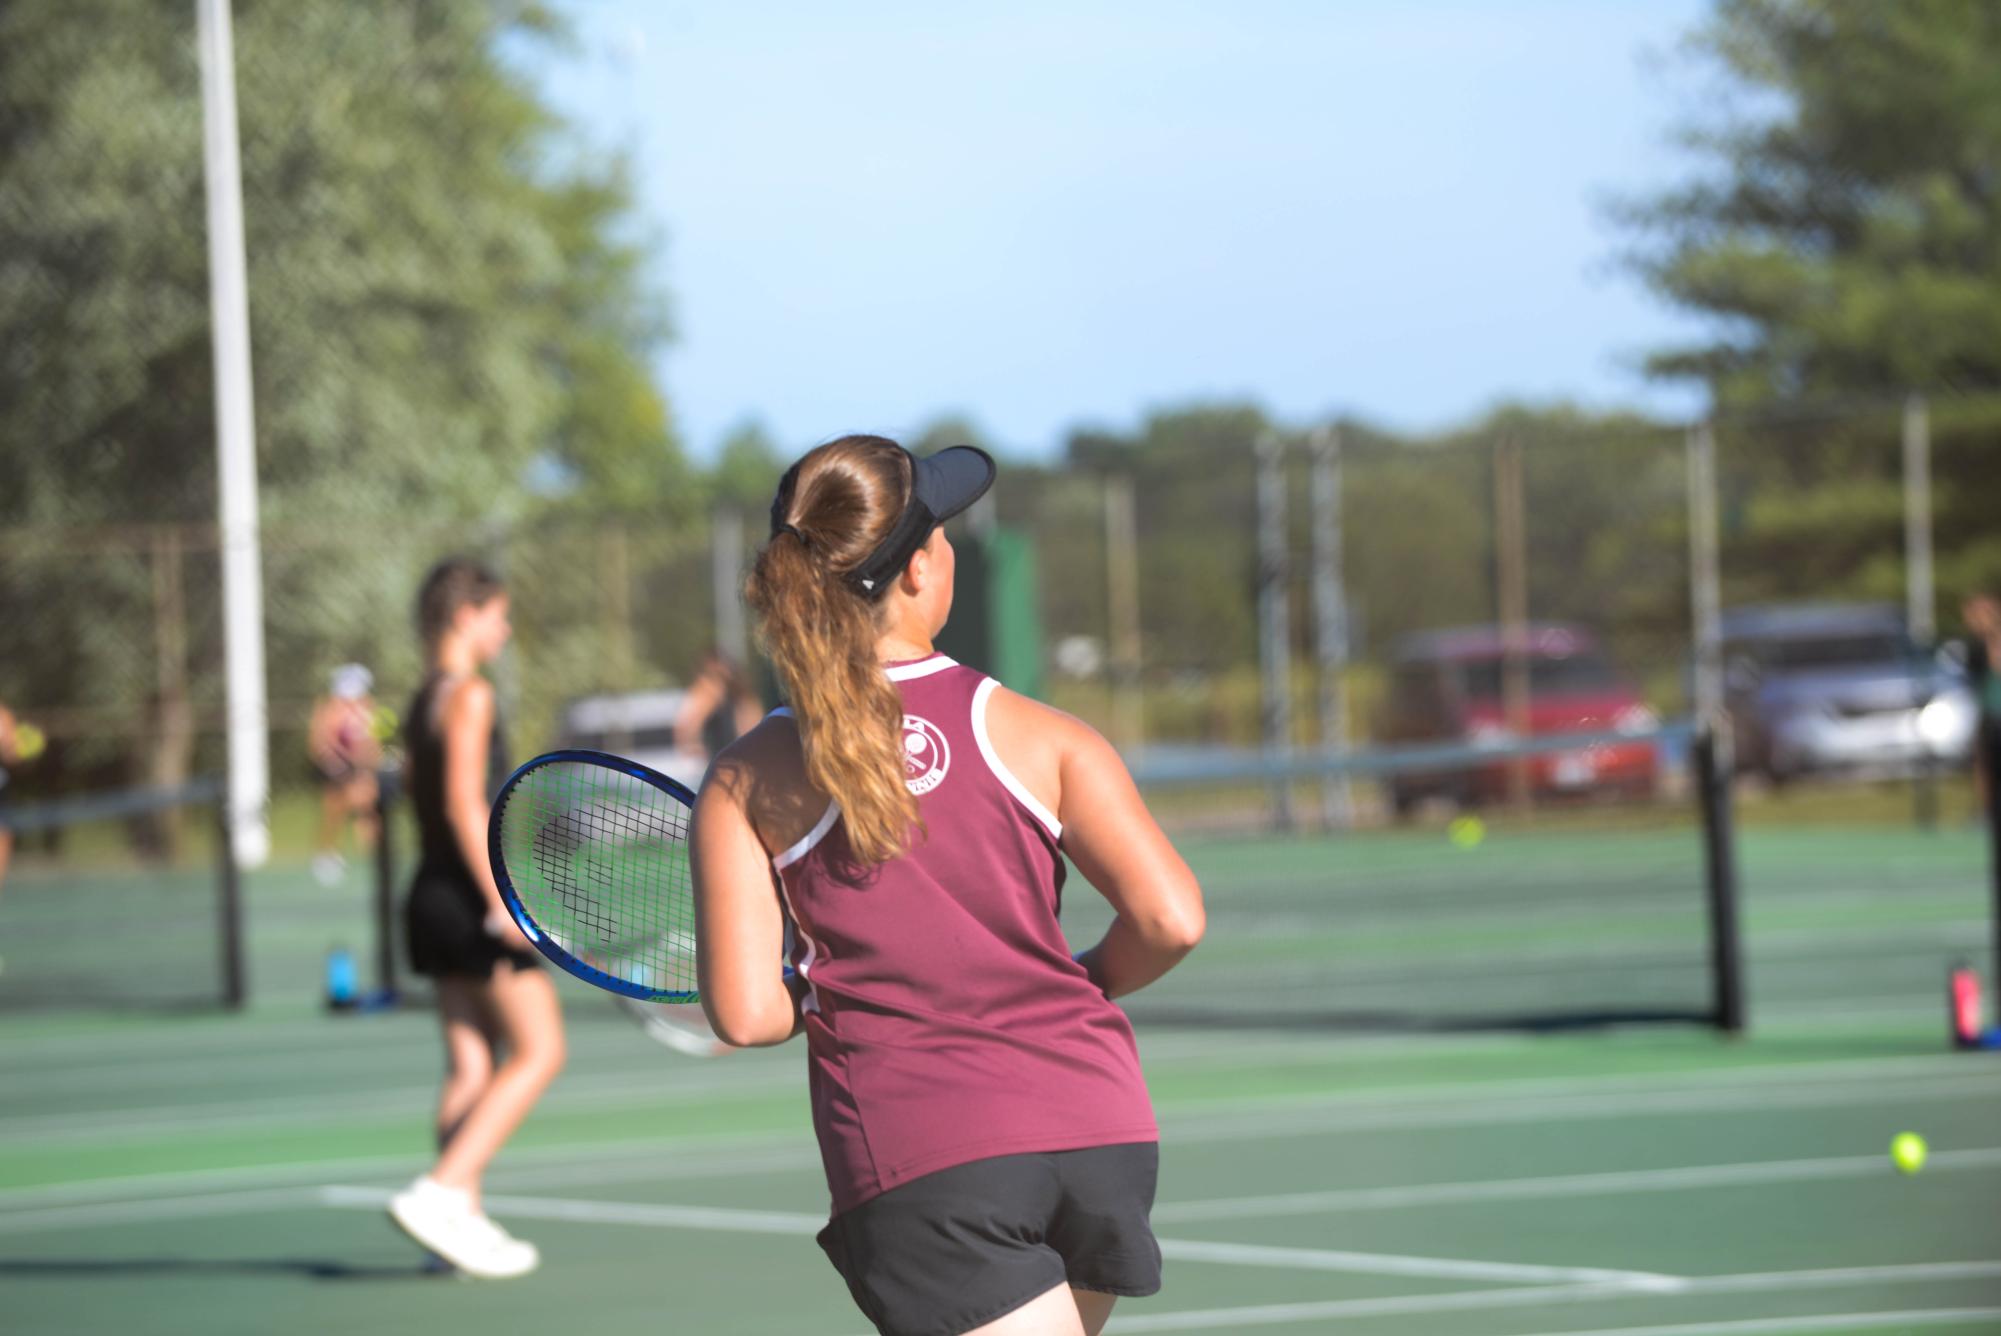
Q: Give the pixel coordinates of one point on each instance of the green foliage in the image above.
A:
(1844, 232)
(451, 323)
(1846, 229)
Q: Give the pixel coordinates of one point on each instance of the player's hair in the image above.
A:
(840, 501)
(454, 583)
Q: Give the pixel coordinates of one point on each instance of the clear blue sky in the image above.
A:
(1042, 214)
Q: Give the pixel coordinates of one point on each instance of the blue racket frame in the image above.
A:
(557, 955)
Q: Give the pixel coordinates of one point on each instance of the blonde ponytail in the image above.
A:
(833, 508)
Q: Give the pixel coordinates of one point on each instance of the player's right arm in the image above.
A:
(739, 922)
(1110, 836)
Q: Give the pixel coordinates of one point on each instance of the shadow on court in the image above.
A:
(311, 1268)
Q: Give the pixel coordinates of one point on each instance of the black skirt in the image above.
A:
(444, 928)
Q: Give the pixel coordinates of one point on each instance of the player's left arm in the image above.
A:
(9, 747)
(739, 922)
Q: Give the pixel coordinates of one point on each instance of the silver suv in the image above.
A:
(1825, 687)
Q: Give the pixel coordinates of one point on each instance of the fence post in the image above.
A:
(1704, 576)
(1511, 597)
(1122, 600)
(1919, 601)
(1330, 618)
(1274, 617)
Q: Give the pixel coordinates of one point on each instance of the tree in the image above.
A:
(1846, 230)
(445, 318)
(1845, 234)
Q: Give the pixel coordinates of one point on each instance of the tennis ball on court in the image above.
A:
(1908, 1151)
(1466, 831)
(30, 742)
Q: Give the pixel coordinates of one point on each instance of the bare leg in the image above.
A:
(1094, 1308)
(469, 1056)
(1053, 1313)
(530, 1020)
(6, 852)
(332, 810)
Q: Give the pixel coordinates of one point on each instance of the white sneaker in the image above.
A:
(327, 868)
(442, 1219)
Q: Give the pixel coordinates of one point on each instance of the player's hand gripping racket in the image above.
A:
(590, 852)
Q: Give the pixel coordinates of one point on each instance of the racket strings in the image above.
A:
(605, 872)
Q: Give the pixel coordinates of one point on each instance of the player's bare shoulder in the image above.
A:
(1031, 725)
(764, 773)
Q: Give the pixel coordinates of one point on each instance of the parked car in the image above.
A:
(1446, 686)
(1813, 688)
(638, 725)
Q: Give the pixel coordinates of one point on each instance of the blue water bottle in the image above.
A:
(343, 980)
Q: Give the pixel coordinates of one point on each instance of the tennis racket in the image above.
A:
(590, 852)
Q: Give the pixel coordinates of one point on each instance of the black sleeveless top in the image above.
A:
(425, 743)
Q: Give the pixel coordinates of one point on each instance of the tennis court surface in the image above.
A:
(215, 1173)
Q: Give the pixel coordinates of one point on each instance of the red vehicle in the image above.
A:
(1446, 687)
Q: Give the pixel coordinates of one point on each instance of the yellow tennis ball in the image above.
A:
(384, 723)
(1908, 1151)
(1466, 831)
(29, 742)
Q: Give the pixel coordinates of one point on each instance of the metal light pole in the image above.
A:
(235, 444)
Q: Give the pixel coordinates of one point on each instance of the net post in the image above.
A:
(1987, 756)
(384, 909)
(229, 905)
(1713, 790)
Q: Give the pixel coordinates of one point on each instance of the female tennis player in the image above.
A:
(493, 994)
(340, 739)
(10, 754)
(985, 1128)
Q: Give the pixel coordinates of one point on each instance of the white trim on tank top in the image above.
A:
(1001, 772)
(903, 672)
(820, 829)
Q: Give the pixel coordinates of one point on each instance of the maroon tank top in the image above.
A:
(945, 1020)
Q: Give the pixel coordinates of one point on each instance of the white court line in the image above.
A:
(1339, 1200)
(1390, 1264)
(1227, 1254)
(99, 1214)
(1272, 1315)
(1915, 1317)
(1423, 1106)
(1304, 1119)
(699, 1157)
(637, 1090)
(724, 1218)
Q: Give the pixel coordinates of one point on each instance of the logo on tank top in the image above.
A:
(926, 755)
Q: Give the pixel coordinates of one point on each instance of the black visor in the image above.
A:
(941, 486)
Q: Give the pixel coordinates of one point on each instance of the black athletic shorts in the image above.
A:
(954, 1250)
(444, 927)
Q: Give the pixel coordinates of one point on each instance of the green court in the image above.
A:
(214, 1173)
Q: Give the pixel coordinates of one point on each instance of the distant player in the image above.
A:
(10, 755)
(493, 995)
(985, 1129)
(340, 738)
(721, 705)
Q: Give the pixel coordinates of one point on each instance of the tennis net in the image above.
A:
(123, 899)
(1602, 893)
